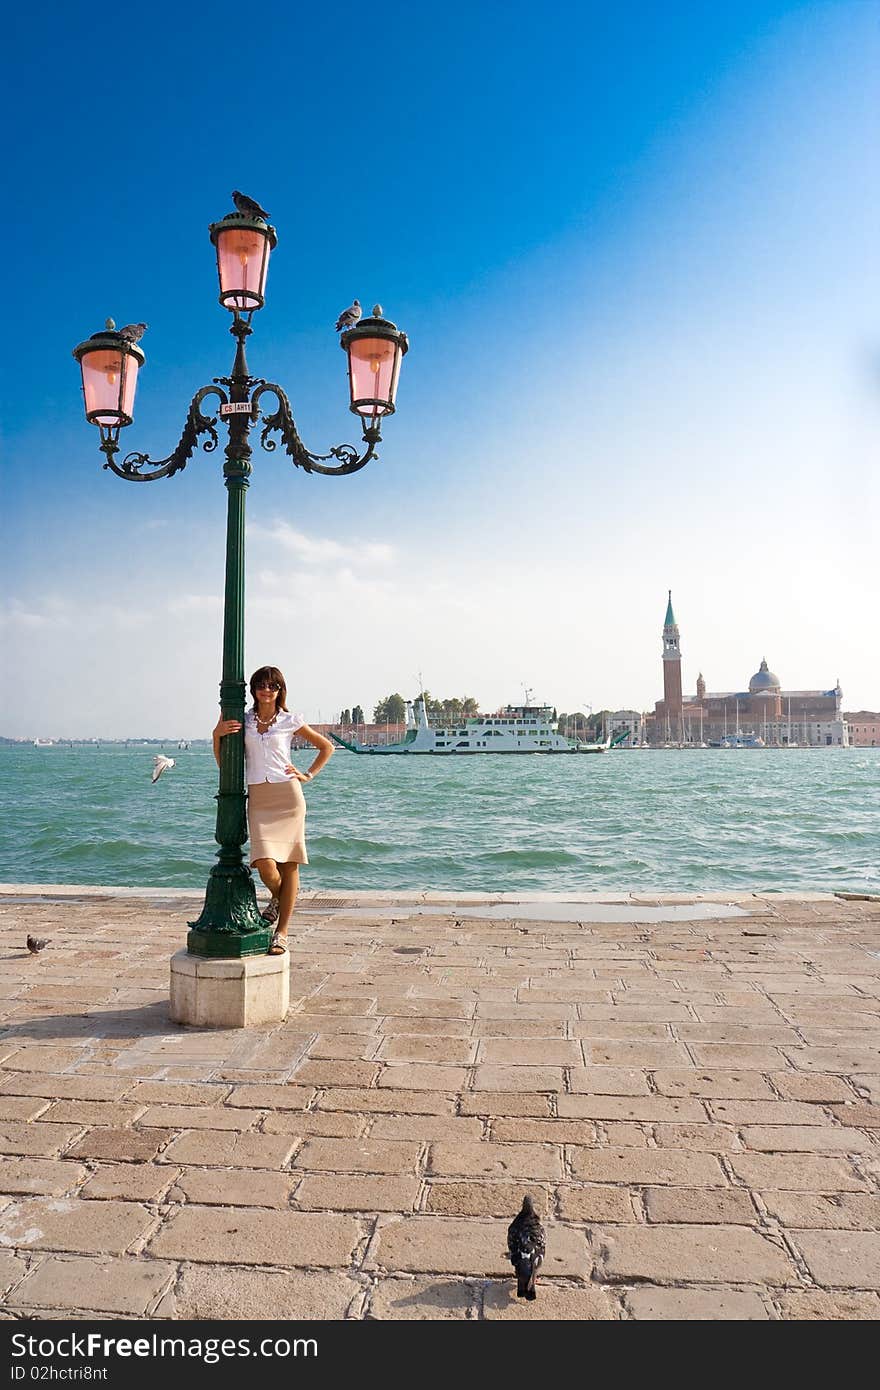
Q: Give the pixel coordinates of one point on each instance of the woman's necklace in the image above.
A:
(264, 725)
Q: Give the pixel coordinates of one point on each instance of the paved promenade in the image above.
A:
(694, 1104)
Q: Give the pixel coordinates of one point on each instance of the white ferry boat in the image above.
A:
(514, 729)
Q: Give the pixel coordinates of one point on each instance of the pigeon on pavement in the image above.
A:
(133, 332)
(35, 944)
(349, 316)
(248, 206)
(160, 762)
(526, 1244)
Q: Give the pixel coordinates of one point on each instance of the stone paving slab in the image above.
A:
(101, 1286)
(694, 1104)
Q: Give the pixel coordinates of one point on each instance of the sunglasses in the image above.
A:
(267, 685)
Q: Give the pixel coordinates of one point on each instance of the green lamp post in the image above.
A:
(230, 924)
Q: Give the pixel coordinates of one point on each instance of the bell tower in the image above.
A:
(672, 674)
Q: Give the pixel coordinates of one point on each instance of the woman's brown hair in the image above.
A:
(270, 675)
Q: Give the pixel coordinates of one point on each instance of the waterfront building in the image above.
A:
(367, 733)
(863, 727)
(763, 713)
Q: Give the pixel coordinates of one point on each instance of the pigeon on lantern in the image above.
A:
(247, 206)
(349, 317)
(526, 1244)
(133, 332)
(36, 944)
(160, 763)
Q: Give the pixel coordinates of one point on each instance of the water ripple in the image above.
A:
(689, 821)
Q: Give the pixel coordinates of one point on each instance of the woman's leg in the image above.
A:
(268, 871)
(289, 889)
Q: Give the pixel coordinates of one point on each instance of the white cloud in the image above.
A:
(14, 614)
(49, 612)
(320, 550)
(195, 603)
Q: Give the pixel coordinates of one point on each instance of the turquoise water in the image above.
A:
(670, 820)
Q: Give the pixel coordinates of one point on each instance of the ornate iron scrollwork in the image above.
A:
(133, 466)
(282, 422)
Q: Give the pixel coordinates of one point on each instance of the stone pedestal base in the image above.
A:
(229, 993)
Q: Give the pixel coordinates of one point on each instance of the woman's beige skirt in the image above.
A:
(277, 822)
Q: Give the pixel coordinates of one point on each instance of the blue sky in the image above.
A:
(634, 248)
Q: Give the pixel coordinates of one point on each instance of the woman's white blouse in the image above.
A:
(267, 755)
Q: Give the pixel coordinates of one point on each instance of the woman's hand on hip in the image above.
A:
(295, 772)
(227, 726)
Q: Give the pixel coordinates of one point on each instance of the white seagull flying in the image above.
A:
(160, 762)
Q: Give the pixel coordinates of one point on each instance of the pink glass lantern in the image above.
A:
(243, 245)
(109, 364)
(375, 349)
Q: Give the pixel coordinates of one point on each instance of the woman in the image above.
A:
(276, 805)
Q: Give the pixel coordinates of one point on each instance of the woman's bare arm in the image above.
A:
(221, 729)
(323, 745)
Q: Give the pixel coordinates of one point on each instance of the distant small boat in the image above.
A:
(44, 743)
(602, 747)
(182, 743)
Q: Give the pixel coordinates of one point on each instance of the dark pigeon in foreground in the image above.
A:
(133, 332)
(526, 1244)
(349, 316)
(36, 944)
(248, 206)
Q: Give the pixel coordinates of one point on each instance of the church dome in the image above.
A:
(764, 681)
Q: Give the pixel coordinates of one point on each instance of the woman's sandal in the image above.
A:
(278, 944)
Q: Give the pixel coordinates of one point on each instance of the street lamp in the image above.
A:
(109, 364)
(230, 924)
(242, 243)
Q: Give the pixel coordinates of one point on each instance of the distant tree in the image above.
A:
(597, 724)
(391, 710)
(470, 707)
(357, 715)
(345, 717)
(574, 725)
(396, 709)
